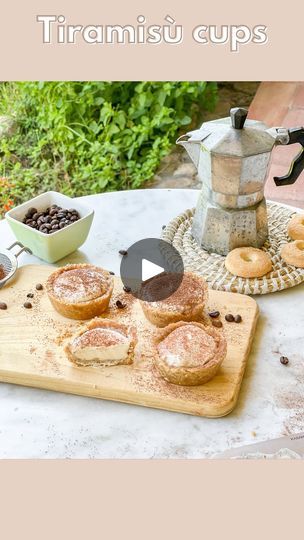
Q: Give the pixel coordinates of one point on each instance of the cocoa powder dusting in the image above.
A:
(187, 346)
(80, 285)
(192, 291)
(98, 337)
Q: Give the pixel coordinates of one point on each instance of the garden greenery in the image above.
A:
(89, 137)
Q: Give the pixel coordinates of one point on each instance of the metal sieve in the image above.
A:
(9, 261)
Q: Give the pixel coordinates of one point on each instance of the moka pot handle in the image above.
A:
(296, 135)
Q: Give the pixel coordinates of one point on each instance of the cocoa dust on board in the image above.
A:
(49, 333)
(292, 400)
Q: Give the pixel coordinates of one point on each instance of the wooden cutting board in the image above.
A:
(32, 340)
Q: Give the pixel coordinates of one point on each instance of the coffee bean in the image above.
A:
(120, 305)
(112, 273)
(214, 314)
(53, 215)
(123, 252)
(3, 305)
(127, 289)
(217, 324)
(229, 317)
(27, 305)
(30, 295)
(238, 318)
(32, 211)
(163, 227)
(39, 287)
(284, 360)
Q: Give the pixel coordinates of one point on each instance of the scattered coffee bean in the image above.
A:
(50, 220)
(123, 252)
(127, 289)
(217, 324)
(112, 273)
(284, 360)
(3, 305)
(163, 227)
(39, 287)
(238, 319)
(214, 314)
(120, 305)
(30, 295)
(229, 317)
(27, 305)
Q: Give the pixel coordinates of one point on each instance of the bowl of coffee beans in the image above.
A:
(52, 225)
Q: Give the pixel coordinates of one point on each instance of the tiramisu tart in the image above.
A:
(185, 304)
(102, 342)
(80, 291)
(189, 354)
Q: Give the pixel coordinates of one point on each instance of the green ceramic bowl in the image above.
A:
(53, 247)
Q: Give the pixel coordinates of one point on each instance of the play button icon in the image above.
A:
(151, 269)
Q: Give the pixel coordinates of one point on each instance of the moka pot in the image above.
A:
(232, 156)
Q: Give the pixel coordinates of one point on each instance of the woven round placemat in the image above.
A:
(211, 265)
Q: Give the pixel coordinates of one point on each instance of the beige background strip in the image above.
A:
(24, 56)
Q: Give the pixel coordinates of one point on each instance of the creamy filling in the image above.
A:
(187, 346)
(101, 345)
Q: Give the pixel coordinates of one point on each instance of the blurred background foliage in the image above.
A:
(88, 137)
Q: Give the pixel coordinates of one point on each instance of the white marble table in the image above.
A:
(41, 424)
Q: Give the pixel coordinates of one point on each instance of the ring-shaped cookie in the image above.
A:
(295, 229)
(248, 262)
(293, 253)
